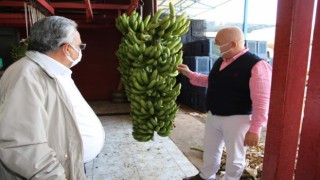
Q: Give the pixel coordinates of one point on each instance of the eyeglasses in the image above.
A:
(82, 46)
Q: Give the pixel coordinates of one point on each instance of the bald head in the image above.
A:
(230, 34)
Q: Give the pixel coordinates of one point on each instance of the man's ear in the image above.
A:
(234, 44)
(65, 49)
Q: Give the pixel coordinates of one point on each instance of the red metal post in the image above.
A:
(292, 41)
(89, 13)
(308, 165)
(155, 6)
(147, 8)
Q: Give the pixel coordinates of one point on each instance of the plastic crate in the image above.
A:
(188, 97)
(213, 59)
(207, 47)
(198, 27)
(187, 49)
(185, 84)
(252, 46)
(182, 98)
(193, 99)
(262, 49)
(201, 102)
(200, 64)
(197, 46)
(184, 81)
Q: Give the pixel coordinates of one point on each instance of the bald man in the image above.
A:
(238, 100)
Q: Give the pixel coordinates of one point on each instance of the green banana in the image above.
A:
(176, 48)
(154, 74)
(181, 17)
(146, 20)
(151, 84)
(154, 122)
(157, 15)
(172, 11)
(138, 86)
(148, 54)
(144, 77)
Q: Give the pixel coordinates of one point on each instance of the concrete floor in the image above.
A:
(188, 132)
(122, 160)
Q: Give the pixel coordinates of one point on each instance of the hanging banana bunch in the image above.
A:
(148, 54)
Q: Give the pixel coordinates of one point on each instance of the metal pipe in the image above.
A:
(245, 19)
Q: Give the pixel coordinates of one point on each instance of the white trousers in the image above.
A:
(229, 131)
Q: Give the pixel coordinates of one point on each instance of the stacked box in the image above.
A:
(198, 27)
(207, 47)
(262, 49)
(187, 49)
(197, 47)
(184, 82)
(193, 99)
(258, 47)
(213, 59)
(200, 64)
(190, 39)
(200, 47)
(202, 102)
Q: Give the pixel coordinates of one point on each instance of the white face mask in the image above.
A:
(217, 51)
(76, 61)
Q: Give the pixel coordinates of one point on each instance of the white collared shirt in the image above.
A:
(91, 130)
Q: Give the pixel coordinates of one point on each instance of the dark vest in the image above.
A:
(228, 91)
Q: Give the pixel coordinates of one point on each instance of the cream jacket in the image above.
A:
(39, 138)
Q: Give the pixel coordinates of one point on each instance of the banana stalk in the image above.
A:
(148, 54)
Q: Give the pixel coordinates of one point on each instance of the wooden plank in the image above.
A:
(308, 164)
(292, 40)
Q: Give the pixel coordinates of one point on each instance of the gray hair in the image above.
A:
(50, 33)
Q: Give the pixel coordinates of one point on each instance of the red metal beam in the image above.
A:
(308, 164)
(47, 6)
(12, 4)
(12, 16)
(89, 14)
(133, 6)
(20, 4)
(93, 6)
(97, 26)
(16, 22)
(12, 19)
(109, 6)
(288, 85)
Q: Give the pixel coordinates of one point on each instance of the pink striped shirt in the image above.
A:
(260, 85)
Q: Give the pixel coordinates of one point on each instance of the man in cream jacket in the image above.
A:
(47, 129)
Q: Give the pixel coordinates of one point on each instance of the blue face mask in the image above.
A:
(217, 51)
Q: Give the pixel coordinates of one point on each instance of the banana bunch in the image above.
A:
(148, 54)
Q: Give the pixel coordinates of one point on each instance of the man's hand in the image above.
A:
(251, 139)
(182, 68)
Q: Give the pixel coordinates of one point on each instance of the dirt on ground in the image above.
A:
(188, 136)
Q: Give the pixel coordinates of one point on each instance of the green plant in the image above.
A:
(19, 50)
